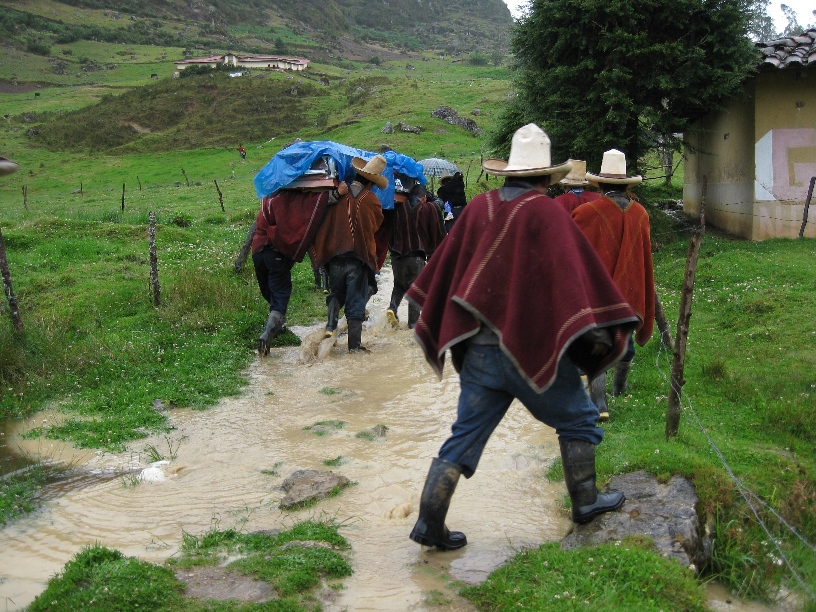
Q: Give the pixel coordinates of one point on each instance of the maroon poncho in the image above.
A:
(288, 219)
(526, 270)
(416, 229)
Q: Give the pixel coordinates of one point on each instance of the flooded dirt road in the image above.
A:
(226, 465)
(232, 458)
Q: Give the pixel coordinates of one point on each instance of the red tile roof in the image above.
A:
(784, 52)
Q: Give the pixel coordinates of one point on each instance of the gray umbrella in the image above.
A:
(435, 167)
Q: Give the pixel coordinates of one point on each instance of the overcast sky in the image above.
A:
(802, 8)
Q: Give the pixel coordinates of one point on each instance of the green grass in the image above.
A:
(613, 577)
(98, 578)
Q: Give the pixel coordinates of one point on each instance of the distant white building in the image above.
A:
(267, 62)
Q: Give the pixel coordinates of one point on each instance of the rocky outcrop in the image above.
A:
(449, 115)
(667, 513)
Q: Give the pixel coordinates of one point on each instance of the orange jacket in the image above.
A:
(623, 242)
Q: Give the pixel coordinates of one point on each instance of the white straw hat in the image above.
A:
(613, 170)
(529, 156)
(576, 176)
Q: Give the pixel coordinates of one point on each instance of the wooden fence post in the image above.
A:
(677, 381)
(25, 197)
(185, 177)
(123, 197)
(154, 262)
(220, 195)
(7, 288)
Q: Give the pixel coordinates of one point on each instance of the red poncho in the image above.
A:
(288, 219)
(525, 270)
(571, 201)
(623, 241)
(416, 229)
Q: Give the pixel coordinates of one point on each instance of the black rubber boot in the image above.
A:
(274, 326)
(324, 280)
(621, 381)
(413, 315)
(430, 528)
(578, 459)
(355, 335)
(597, 393)
(334, 313)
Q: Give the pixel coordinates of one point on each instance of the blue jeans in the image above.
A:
(489, 383)
(274, 273)
(348, 282)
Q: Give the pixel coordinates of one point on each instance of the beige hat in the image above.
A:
(372, 170)
(7, 166)
(613, 170)
(529, 156)
(576, 176)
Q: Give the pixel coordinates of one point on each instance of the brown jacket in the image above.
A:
(349, 228)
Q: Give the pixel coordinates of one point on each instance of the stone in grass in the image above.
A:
(306, 486)
(669, 514)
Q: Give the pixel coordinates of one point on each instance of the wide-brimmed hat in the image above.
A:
(445, 176)
(576, 176)
(372, 170)
(7, 166)
(529, 156)
(613, 170)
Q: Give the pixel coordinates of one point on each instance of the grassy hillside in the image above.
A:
(318, 28)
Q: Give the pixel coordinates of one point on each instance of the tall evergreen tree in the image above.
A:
(601, 74)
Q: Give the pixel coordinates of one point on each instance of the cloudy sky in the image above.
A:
(802, 8)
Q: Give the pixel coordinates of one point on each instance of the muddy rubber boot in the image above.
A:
(274, 326)
(430, 528)
(578, 459)
(355, 336)
(413, 315)
(391, 317)
(620, 383)
(597, 393)
(334, 313)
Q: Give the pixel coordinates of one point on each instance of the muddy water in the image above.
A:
(227, 463)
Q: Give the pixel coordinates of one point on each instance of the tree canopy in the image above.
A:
(602, 74)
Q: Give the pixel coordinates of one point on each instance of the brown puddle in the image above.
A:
(217, 479)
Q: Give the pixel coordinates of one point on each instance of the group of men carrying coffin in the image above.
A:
(526, 293)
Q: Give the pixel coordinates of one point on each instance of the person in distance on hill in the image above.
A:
(512, 340)
(346, 244)
(618, 228)
(416, 230)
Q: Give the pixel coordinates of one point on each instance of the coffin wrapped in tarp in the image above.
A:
(289, 166)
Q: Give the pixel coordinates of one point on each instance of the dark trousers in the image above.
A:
(348, 282)
(405, 269)
(274, 273)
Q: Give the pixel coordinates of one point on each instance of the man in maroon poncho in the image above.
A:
(618, 228)
(415, 231)
(510, 339)
(284, 229)
(575, 187)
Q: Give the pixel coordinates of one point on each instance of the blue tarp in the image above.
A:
(294, 160)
